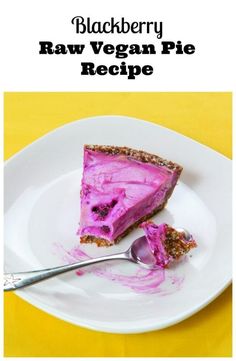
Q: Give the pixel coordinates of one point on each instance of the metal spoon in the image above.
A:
(139, 252)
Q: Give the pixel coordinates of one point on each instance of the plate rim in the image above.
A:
(106, 329)
(60, 127)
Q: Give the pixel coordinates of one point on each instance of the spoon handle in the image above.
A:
(13, 281)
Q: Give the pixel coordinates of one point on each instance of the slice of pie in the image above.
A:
(167, 244)
(121, 187)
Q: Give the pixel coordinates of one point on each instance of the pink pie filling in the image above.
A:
(166, 243)
(117, 191)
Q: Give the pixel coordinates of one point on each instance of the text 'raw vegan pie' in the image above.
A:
(121, 187)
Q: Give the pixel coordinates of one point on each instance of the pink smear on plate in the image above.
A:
(139, 281)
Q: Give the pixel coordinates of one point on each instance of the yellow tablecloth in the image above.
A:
(205, 117)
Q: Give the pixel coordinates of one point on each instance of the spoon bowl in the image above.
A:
(187, 235)
(141, 253)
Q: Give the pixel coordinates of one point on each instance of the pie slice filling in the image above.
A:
(121, 187)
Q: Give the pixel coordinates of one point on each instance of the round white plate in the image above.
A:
(42, 185)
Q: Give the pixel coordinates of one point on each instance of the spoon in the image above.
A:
(139, 252)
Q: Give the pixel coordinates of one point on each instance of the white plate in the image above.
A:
(42, 185)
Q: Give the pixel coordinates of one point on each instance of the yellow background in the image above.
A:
(205, 117)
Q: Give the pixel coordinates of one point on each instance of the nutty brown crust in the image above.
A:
(103, 242)
(175, 244)
(139, 155)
